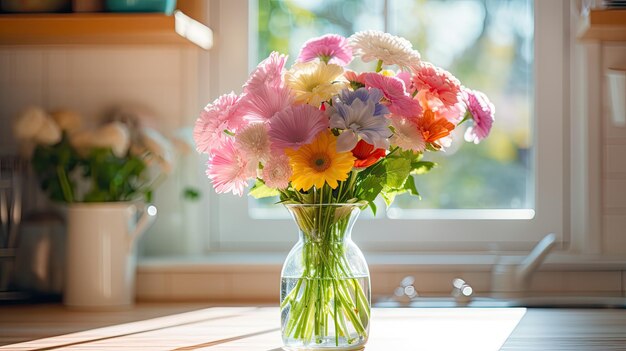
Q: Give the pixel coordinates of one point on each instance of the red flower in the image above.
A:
(366, 155)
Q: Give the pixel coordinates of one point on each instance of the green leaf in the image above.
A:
(422, 167)
(407, 154)
(148, 196)
(396, 172)
(430, 147)
(97, 195)
(369, 187)
(372, 206)
(191, 194)
(392, 176)
(389, 197)
(409, 186)
(52, 162)
(356, 85)
(260, 190)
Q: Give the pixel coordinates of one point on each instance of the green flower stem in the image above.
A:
(335, 315)
(326, 293)
(379, 66)
(65, 184)
(466, 116)
(291, 295)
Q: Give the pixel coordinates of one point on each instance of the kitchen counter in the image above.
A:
(205, 327)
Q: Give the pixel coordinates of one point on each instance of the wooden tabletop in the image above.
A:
(196, 327)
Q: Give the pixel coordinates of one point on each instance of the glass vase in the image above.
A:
(325, 283)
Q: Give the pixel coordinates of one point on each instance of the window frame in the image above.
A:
(231, 229)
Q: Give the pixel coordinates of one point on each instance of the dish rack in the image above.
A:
(12, 171)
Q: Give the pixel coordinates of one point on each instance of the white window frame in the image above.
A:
(231, 229)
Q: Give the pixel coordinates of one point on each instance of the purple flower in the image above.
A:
(330, 48)
(482, 112)
(296, 126)
(348, 96)
(359, 114)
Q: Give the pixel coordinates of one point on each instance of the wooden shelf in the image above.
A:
(604, 25)
(89, 28)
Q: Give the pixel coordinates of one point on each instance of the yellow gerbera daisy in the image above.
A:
(314, 82)
(319, 162)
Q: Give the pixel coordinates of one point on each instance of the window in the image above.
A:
(504, 194)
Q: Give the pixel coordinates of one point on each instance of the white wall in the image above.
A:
(91, 79)
(614, 161)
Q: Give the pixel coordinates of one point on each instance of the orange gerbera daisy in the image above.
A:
(366, 155)
(318, 163)
(433, 127)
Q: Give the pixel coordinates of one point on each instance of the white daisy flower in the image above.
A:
(407, 135)
(34, 125)
(68, 121)
(114, 135)
(376, 45)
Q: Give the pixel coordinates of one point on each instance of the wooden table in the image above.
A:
(197, 327)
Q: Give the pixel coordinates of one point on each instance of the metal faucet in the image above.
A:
(514, 279)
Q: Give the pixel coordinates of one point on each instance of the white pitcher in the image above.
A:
(101, 252)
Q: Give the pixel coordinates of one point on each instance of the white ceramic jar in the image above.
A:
(101, 252)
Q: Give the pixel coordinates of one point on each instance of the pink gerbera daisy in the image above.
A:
(330, 48)
(398, 101)
(296, 126)
(405, 77)
(261, 103)
(253, 141)
(277, 171)
(268, 72)
(228, 170)
(482, 111)
(439, 91)
(221, 115)
(354, 77)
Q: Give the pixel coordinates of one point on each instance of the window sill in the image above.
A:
(256, 278)
(246, 262)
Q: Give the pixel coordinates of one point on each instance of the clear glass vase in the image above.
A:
(325, 283)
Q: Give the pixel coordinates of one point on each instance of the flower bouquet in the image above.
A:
(121, 160)
(328, 141)
(101, 174)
